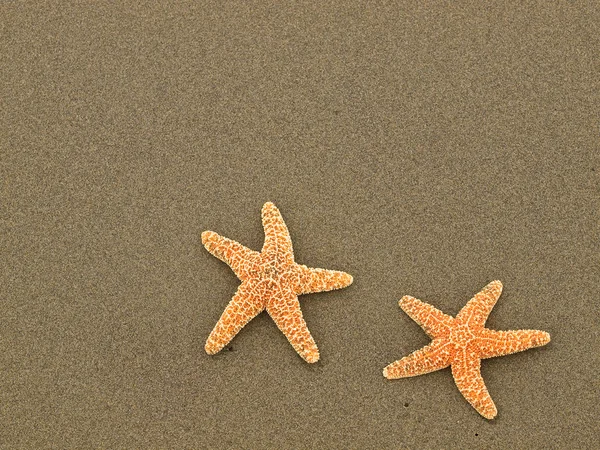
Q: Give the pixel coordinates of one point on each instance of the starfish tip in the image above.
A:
(490, 416)
(206, 235)
(312, 358)
(210, 349)
(496, 284)
(489, 412)
(267, 207)
(404, 301)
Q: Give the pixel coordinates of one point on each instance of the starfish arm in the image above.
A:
(477, 310)
(493, 343)
(240, 258)
(277, 236)
(321, 280)
(466, 370)
(430, 358)
(243, 307)
(433, 321)
(284, 309)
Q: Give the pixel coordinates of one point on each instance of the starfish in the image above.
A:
(462, 342)
(271, 280)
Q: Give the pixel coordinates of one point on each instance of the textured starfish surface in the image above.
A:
(271, 281)
(462, 342)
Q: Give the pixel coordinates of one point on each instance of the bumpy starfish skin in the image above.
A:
(271, 281)
(462, 343)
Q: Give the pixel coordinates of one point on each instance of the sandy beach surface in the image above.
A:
(426, 149)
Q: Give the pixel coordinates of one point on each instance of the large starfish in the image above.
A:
(462, 343)
(271, 280)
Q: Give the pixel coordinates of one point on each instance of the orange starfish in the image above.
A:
(462, 343)
(271, 280)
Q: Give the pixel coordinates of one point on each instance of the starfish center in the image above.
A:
(271, 270)
(461, 335)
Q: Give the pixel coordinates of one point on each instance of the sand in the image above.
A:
(424, 149)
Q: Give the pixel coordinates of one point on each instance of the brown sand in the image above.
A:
(426, 150)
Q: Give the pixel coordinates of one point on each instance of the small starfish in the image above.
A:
(462, 343)
(271, 280)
